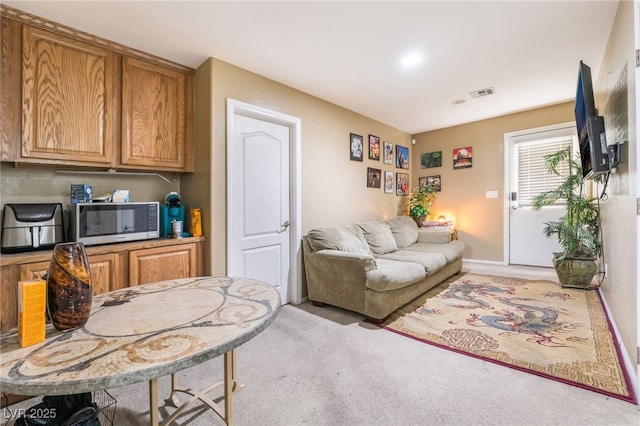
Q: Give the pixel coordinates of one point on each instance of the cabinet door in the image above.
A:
(30, 271)
(8, 299)
(162, 263)
(153, 116)
(104, 272)
(68, 100)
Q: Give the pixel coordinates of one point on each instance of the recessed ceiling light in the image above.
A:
(458, 101)
(411, 60)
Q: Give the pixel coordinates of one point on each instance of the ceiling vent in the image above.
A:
(482, 92)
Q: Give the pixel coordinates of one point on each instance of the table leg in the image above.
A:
(229, 384)
(174, 394)
(230, 388)
(153, 402)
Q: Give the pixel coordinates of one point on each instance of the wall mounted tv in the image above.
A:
(596, 156)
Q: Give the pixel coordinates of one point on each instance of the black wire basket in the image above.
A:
(106, 407)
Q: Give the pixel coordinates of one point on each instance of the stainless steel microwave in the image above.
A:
(106, 223)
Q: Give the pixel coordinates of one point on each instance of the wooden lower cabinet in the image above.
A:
(8, 298)
(112, 267)
(30, 271)
(162, 263)
(104, 272)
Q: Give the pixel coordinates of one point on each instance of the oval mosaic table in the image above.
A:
(142, 333)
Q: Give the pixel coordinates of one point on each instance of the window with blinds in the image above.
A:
(532, 176)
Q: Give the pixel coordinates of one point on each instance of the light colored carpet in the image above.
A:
(325, 366)
(532, 325)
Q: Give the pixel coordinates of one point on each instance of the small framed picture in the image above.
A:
(388, 182)
(431, 159)
(387, 152)
(355, 145)
(402, 157)
(434, 181)
(374, 177)
(374, 148)
(402, 183)
(462, 158)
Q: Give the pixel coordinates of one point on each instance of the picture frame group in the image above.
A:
(398, 155)
(377, 149)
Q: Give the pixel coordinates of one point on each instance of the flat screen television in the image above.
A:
(594, 151)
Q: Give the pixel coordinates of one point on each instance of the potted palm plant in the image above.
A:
(420, 201)
(578, 229)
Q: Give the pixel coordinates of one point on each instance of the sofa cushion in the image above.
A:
(344, 238)
(451, 251)
(431, 262)
(392, 275)
(435, 236)
(404, 231)
(379, 237)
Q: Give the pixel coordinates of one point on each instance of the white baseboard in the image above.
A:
(486, 262)
(628, 363)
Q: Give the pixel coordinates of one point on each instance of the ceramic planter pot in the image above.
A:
(420, 220)
(575, 273)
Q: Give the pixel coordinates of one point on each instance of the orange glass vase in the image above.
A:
(69, 286)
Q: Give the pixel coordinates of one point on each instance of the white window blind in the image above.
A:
(532, 176)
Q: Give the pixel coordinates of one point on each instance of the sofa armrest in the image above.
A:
(345, 256)
(434, 236)
(340, 265)
(337, 277)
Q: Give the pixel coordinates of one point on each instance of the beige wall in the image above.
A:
(479, 220)
(29, 184)
(615, 92)
(197, 187)
(333, 187)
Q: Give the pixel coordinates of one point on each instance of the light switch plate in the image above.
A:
(492, 194)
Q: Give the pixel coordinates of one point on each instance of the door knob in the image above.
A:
(284, 226)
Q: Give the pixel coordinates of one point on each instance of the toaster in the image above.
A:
(29, 227)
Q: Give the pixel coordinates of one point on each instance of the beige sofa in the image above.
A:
(375, 267)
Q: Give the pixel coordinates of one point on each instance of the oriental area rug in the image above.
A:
(535, 326)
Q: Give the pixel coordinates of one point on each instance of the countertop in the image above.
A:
(44, 255)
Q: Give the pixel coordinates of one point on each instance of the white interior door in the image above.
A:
(259, 198)
(527, 244)
(637, 159)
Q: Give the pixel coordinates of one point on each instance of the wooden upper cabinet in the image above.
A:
(68, 101)
(153, 116)
(73, 99)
